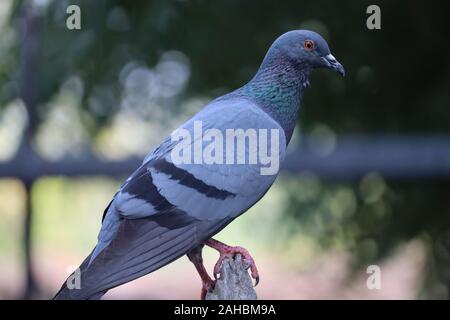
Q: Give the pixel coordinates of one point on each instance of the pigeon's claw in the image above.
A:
(256, 280)
(227, 251)
(217, 266)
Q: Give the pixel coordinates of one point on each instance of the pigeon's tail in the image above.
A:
(72, 284)
(139, 247)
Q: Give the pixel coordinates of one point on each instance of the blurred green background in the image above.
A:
(137, 69)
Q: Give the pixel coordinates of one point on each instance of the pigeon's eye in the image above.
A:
(309, 45)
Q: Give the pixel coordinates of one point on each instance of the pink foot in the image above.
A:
(227, 251)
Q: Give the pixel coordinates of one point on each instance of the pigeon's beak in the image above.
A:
(333, 64)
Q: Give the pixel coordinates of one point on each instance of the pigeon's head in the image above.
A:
(305, 49)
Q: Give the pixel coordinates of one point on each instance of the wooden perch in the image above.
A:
(234, 282)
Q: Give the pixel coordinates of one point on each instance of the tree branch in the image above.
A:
(234, 282)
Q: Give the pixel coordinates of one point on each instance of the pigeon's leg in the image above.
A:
(195, 256)
(227, 251)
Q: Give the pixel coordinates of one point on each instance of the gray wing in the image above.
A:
(165, 209)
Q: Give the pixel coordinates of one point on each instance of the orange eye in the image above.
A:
(309, 45)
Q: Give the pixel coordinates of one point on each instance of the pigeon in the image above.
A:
(167, 209)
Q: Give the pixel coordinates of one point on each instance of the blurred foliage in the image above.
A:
(397, 81)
